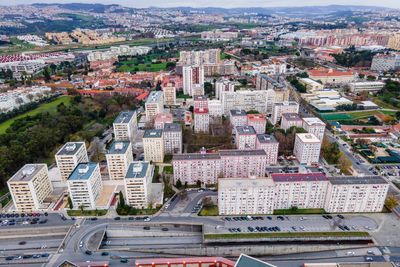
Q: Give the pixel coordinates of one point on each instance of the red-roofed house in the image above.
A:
(331, 76)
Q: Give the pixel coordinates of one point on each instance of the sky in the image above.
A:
(216, 3)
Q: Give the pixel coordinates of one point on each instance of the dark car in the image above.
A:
(117, 218)
(88, 252)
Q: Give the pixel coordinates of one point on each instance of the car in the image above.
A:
(88, 252)
(9, 258)
(105, 253)
(164, 229)
(146, 228)
(93, 219)
(22, 243)
(27, 256)
(123, 260)
(200, 190)
(350, 253)
(36, 256)
(117, 218)
(131, 218)
(46, 214)
(18, 257)
(340, 216)
(43, 221)
(81, 244)
(45, 255)
(147, 219)
(370, 252)
(369, 259)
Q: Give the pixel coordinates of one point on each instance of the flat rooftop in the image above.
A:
(154, 97)
(245, 130)
(314, 121)
(238, 153)
(299, 177)
(27, 172)
(196, 156)
(308, 138)
(83, 171)
(291, 116)
(247, 261)
(70, 148)
(199, 98)
(172, 127)
(137, 169)
(125, 116)
(357, 180)
(237, 112)
(118, 147)
(153, 133)
(286, 103)
(266, 138)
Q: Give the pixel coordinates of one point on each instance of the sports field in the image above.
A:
(46, 107)
(353, 115)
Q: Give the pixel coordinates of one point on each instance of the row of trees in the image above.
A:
(333, 155)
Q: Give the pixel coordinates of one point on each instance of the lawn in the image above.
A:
(46, 107)
(209, 211)
(352, 115)
(152, 67)
(286, 235)
(298, 211)
(86, 212)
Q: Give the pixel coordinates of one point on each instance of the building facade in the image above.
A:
(154, 104)
(69, 156)
(29, 187)
(125, 126)
(85, 185)
(137, 184)
(245, 137)
(153, 145)
(291, 120)
(169, 95)
(270, 145)
(278, 109)
(307, 148)
(258, 121)
(172, 138)
(201, 120)
(314, 126)
(118, 157)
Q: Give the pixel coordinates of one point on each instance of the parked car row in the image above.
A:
(245, 218)
(22, 215)
(28, 256)
(22, 221)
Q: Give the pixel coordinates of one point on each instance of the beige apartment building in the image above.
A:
(125, 126)
(307, 148)
(29, 187)
(137, 184)
(119, 156)
(153, 144)
(169, 95)
(69, 156)
(154, 104)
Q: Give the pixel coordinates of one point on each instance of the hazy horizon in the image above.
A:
(218, 3)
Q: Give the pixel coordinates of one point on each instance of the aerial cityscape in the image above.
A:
(206, 134)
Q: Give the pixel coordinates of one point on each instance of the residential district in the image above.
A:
(199, 137)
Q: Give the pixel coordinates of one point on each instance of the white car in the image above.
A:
(147, 219)
(81, 244)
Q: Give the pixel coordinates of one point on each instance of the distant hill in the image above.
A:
(97, 8)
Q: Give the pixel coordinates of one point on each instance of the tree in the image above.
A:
(121, 203)
(46, 74)
(198, 182)
(70, 204)
(344, 163)
(178, 184)
(391, 202)
(208, 88)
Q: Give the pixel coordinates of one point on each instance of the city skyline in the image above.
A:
(219, 3)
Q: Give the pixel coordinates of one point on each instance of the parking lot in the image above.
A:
(310, 223)
(17, 220)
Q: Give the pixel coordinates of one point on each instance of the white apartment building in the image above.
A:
(85, 185)
(301, 190)
(375, 86)
(258, 121)
(314, 126)
(119, 156)
(172, 138)
(383, 62)
(208, 167)
(125, 126)
(223, 85)
(161, 119)
(203, 167)
(153, 145)
(245, 137)
(238, 196)
(245, 100)
(356, 194)
(200, 101)
(29, 187)
(154, 104)
(243, 163)
(237, 118)
(270, 145)
(307, 148)
(201, 120)
(215, 108)
(69, 156)
(138, 184)
(291, 120)
(169, 95)
(193, 77)
(209, 56)
(278, 109)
